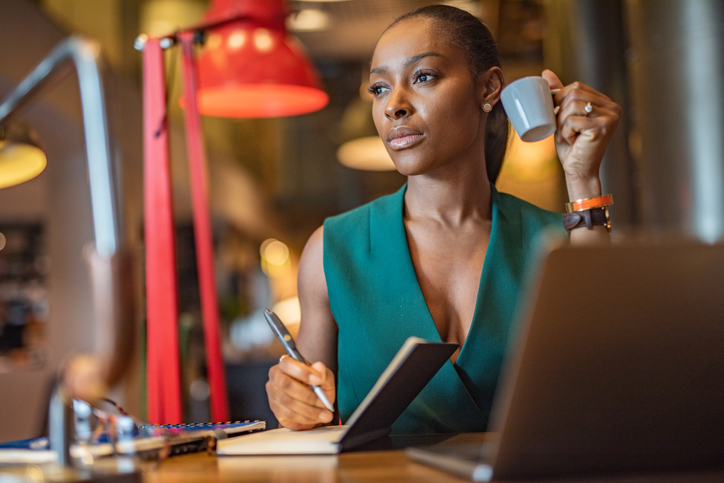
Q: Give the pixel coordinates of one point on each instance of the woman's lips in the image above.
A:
(405, 141)
(403, 138)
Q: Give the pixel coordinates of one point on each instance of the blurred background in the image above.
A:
(273, 181)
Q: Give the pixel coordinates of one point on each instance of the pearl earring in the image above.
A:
(487, 107)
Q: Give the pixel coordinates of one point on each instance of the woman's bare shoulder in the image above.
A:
(311, 266)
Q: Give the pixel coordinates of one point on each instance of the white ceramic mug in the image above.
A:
(529, 105)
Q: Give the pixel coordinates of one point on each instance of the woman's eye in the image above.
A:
(376, 89)
(424, 77)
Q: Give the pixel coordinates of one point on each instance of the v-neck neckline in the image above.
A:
(486, 275)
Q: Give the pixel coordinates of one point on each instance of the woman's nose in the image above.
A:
(398, 106)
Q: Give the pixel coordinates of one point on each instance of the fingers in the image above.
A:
(552, 79)
(291, 397)
(578, 92)
(302, 372)
(327, 378)
(574, 126)
(586, 121)
(579, 89)
(573, 98)
(576, 116)
(598, 124)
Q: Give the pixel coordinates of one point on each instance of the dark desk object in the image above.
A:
(617, 368)
(368, 464)
(247, 396)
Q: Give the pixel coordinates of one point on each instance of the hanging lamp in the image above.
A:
(20, 157)
(362, 147)
(250, 66)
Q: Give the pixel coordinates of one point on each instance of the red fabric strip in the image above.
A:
(203, 234)
(163, 372)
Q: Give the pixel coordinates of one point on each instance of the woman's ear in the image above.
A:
(491, 83)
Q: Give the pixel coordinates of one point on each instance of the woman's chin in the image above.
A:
(410, 166)
(408, 171)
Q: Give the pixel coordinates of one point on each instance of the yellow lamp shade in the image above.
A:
(367, 153)
(19, 162)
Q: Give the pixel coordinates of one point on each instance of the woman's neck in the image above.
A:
(452, 194)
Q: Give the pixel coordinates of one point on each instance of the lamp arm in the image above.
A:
(85, 56)
(112, 261)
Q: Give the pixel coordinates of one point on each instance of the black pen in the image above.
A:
(280, 330)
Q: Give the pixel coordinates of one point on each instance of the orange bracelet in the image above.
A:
(589, 203)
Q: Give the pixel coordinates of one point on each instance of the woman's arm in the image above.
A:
(581, 141)
(290, 396)
(318, 331)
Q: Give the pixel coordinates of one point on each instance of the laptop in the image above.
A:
(617, 366)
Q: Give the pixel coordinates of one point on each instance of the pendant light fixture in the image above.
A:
(362, 147)
(250, 67)
(20, 157)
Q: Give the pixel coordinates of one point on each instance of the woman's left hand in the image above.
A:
(582, 137)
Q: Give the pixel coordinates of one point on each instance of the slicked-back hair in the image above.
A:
(467, 32)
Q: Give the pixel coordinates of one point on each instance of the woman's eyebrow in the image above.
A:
(408, 62)
(421, 56)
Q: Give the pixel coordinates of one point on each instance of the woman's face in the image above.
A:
(427, 105)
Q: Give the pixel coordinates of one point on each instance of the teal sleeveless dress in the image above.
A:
(377, 303)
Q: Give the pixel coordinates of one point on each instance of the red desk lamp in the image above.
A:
(249, 67)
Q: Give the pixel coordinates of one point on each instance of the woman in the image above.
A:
(444, 257)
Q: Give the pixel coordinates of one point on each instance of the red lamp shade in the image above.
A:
(251, 67)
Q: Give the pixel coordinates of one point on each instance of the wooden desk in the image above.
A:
(350, 467)
(380, 461)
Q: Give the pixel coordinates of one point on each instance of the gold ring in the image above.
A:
(588, 109)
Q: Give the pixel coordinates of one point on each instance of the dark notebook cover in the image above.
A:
(415, 364)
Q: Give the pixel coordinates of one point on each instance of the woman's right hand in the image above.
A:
(291, 397)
